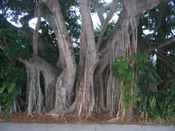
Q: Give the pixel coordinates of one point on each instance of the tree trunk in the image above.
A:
(126, 43)
(85, 97)
(50, 75)
(86, 89)
(49, 90)
(65, 81)
(35, 96)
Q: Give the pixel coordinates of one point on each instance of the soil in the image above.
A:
(96, 118)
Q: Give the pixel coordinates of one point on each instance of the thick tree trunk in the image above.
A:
(35, 96)
(50, 75)
(65, 81)
(49, 90)
(86, 89)
(125, 44)
(85, 97)
(101, 80)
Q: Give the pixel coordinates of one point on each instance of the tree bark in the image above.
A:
(50, 74)
(87, 102)
(65, 81)
(35, 93)
(85, 97)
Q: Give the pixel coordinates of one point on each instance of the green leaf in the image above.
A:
(2, 89)
(11, 88)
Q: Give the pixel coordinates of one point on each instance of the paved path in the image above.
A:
(72, 127)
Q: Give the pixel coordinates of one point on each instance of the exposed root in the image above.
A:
(56, 115)
(29, 115)
(114, 119)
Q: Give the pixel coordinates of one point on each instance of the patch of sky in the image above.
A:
(17, 22)
(173, 31)
(33, 22)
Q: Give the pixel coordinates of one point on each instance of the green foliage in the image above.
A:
(157, 103)
(12, 73)
(108, 32)
(153, 103)
(124, 72)
(160, 103)
(15, 45)
(47, 33)
(12, 82)
(50, 54)
(81, 117)
(160, 22)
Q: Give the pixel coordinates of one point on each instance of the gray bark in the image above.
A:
(65, 81)
(36, 97)
(106, 22)
(87, 103)
(50, 74)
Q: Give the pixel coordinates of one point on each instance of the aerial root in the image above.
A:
(56, 115)
(114, 119)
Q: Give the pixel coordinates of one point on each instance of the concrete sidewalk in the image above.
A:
(80, 127)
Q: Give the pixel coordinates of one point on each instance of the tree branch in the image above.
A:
(86, 19)
(165, 43)
(62, 36)
(100, 11)
(41, 63)
(135, 7)
(35, 34)
(111, 12)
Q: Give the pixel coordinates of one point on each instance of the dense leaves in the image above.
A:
(12, 79)
(153, 103)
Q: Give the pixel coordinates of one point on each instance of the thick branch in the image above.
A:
(111, 12)
(132, 8)
(41, 63)
(135, 7)
(86, 19)
(100, 11)
(62, 36)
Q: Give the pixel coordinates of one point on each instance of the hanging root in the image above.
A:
(128, 46)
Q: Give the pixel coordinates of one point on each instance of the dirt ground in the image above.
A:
(96, 118)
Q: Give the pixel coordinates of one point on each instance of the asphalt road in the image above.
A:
(81, 127)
